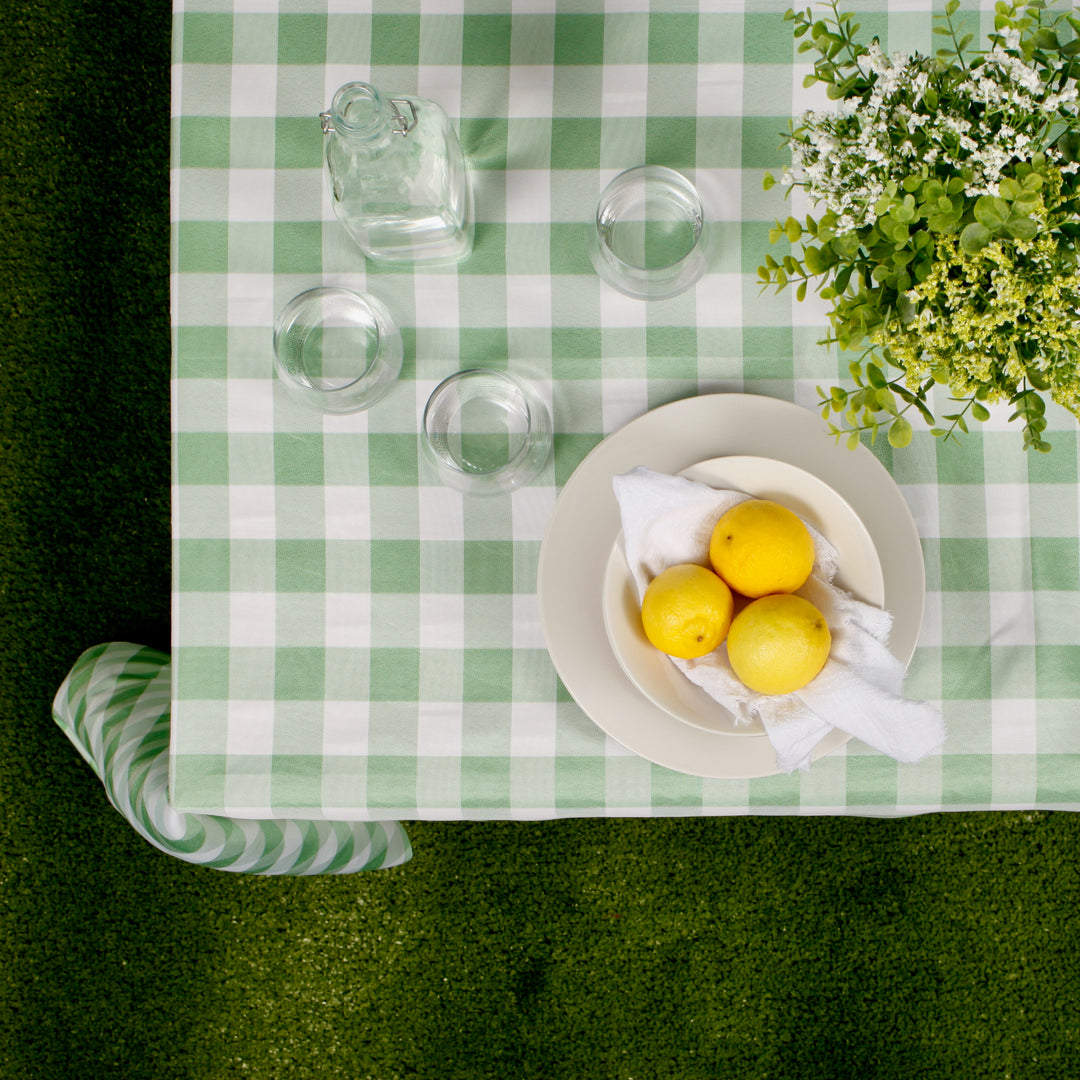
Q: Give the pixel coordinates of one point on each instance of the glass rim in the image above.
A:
(353, 90)
(657, 274)
(466, 375)
(286, 320)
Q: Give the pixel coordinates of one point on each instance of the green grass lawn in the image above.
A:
(942, 946)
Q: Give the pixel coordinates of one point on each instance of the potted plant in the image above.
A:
(946, 199)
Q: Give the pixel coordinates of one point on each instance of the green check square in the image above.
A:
(673, 38)
(440, 40)
(203, 247)
(201, 777)
(671, 141)
(1058, 467)
(763, 145)
(488, 674)
(1057, 778)
(960, 462)
(965, 673)
(302, 40)
(395, 566)
(484, 140)
(871, 780)
(626, 36)
(202, 457)
(391, 782)
(301, 566)
(769, 343)
(298, 247)
(296, 780)
(251, 142)
(201, 672)
(255, 39)
(251, 565)
(1057, 671)
(767, 38)
(485, 41)
(489, 566)
(675, 342)
(966, 779)
(1055, 563)
(568, 253)
(251, 248)
(395, 40)
(299, 673)
(575, 142)
(297, 458)
(298, 142)
(485, 782)
(489, 250)
(774, 790)
(483, 346)
(579, 786)
(533, 39)
(207, 38)
(718, 140)
(201, 352)
(575, 343)
(392, 459)
(569, 450)
(202, 565)
(579, 39)
(203, 142)
(395, 674)
(965, 565)
(720, 37)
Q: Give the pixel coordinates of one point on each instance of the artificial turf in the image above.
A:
(940, 946)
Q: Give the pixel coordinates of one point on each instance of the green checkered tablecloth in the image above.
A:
(352, 640)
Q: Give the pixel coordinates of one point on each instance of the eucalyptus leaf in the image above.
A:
(900, 432)
(814, 260)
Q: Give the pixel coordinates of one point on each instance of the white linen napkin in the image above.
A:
(668, 520)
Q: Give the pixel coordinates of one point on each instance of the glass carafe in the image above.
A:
(398, 179)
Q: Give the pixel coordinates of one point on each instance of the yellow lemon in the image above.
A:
(777, 644)
(760, 547)
(686, 611)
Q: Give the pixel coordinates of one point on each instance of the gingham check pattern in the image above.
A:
(353, 640)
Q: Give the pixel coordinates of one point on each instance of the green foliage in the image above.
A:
(945, 198)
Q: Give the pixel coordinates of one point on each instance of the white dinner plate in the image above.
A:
(653, 673)
(585, 523)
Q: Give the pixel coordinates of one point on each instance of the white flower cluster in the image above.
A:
(997, 114)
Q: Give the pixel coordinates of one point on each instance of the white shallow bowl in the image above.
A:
(651, 671)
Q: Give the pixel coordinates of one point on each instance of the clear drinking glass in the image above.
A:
(649, 239)
(398, 178)
(336, 350)
(486, 432)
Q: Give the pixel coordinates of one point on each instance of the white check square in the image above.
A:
(1014, 729)
(531, 91)
(252, 620)
(252, 512)
(626, 90)
(348, 620)
(250, 730)
(253, 90)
